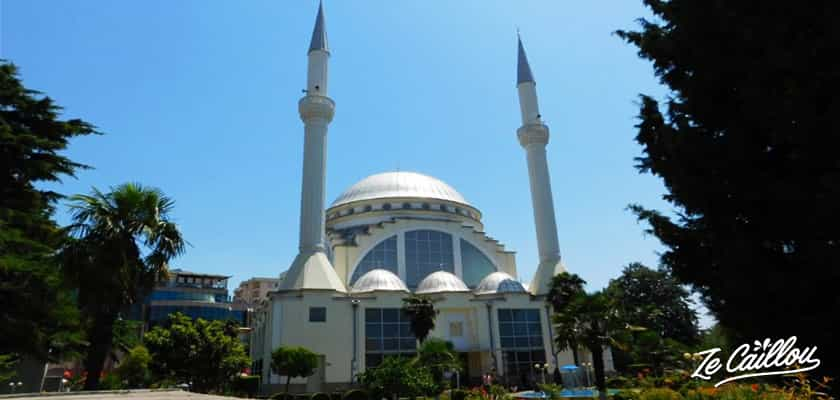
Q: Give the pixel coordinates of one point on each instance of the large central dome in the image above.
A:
(399, 184)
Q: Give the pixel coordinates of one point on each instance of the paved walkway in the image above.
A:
(164, 394)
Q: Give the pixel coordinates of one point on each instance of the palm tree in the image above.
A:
(438, 356)
(564, 287)
(591, 320)
(421, 313)
(121, 243)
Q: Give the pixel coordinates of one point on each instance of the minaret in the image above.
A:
(311, 268)
(533, 136)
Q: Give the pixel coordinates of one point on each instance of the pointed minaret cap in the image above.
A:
(311, 271)
(523, 69)
(319, 34)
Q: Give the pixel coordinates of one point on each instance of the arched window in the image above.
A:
(427, 251)
(475, 264)
(383, 256)
(386, 206)
(368, 208)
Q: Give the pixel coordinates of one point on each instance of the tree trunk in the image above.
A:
(288, 381)
(101, 337)
(598, 365)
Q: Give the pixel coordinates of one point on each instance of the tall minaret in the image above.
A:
(311, 268)
(533, 136)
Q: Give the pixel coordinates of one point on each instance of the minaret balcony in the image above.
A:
(531, 134)
(314, 106)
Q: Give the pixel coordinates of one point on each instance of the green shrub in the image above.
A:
(246, 385)
(459, 394)
(620, 382)
(355, 394)
(319, 396)
(660, 394)
(336, 395)
(282, 396)
(627, 394)
(551, 390)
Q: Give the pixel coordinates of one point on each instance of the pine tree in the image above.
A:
(39, 318)
(747, 146)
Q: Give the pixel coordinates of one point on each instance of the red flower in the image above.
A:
(754, 387)
(67, 374)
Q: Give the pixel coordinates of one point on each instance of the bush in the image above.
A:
(619, 382)
(246, 385)
(660, 394)
(355, 394)
(282, 396)
(627, 394)
(336, 396)
(459, 394)
(319, 396)
(551, 390)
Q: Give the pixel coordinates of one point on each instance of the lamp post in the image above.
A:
(542, 368)
(586, 367)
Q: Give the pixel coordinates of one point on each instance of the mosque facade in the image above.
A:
(397, 234)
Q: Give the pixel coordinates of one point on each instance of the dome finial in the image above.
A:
(523, 69)
(319, 34)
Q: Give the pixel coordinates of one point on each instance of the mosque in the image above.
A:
(395, 234)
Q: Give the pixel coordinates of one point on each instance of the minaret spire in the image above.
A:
(319, 33)
(312, 269)
(523, 69)
(533, 136)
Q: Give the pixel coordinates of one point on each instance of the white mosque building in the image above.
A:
(397, 233)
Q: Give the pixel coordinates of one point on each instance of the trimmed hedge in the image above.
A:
(319, 396)
(356, 394)
(282, 396)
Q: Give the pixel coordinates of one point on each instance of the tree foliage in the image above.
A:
(653, 299)
(746, 145)
(398, 377)
(564, 287)
(39, 318)
(421, 313)
(199, 352)
(293, 362)
(122, 243)
(134, 368)
(438, 356)
(587, 319)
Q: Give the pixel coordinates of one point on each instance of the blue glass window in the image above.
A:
(520, 334)
(383, 256)
(387, 333)
(427, 251)
(475, 264)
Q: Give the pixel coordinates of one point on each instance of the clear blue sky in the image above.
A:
(199, 98)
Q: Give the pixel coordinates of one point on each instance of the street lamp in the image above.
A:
(542, 368)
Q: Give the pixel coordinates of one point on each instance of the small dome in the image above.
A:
(378, 280)
(499, 282)
(440, 282)
(399, 185)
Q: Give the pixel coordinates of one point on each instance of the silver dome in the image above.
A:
(440, 282)
(499, 282)
(399, 184)
(379, 280)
